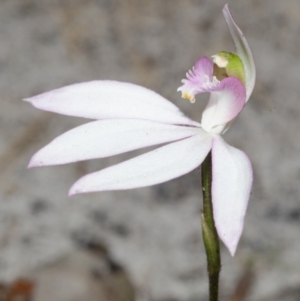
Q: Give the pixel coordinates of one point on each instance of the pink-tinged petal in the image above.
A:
(199, 79)
(242, 49)
(231, 185)
(110, 100)
(105, 138)
(161, 165)
(225, 103)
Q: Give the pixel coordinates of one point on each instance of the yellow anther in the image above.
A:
(188, 96)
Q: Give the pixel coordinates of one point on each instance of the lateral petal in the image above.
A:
(161, 165)
(106, 138)
(242, 49)
(225, 103)
(231, 185)
(110, 100)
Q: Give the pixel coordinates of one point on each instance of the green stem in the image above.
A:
(210, 235)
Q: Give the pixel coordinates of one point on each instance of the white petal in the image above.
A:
(242, 49)
(161, 165)
(231, 185)
(105, 138)
(109, 100)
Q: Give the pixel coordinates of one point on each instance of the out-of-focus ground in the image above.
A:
(144, 244)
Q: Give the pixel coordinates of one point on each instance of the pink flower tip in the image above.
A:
(73, 190)
(232, 248)
(71, 193)
(32, 164)
(28, 99)
(35, 161)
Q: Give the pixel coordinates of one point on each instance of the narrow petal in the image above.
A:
(242, 49)
(225, 103)
(105, 138)
(231, 185)
(199, 79)
(109, 100)
(161, 165)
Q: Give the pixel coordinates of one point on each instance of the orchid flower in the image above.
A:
(130, 117)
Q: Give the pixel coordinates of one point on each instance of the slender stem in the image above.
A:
(210, 235)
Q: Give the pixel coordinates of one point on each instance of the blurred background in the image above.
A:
(143, 244)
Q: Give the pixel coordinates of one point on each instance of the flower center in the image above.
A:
(228, 64)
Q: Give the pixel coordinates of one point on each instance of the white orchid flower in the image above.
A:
(130, 117)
